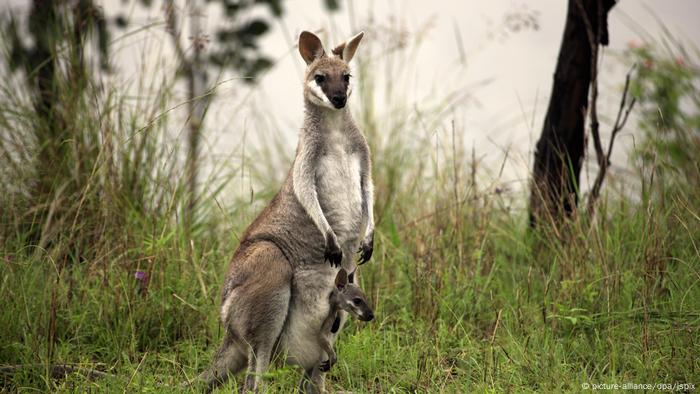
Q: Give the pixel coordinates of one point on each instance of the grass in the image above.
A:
(467, 298)
(616, 304)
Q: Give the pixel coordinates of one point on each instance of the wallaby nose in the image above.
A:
(338, 101)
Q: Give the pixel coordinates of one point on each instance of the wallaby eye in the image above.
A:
(346, 77)
(357, 301)
(319, 78)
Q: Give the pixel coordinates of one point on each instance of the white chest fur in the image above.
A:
(338, 178)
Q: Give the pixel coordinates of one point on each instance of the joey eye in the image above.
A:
(357, 301)
(346, 77)
(319, 78)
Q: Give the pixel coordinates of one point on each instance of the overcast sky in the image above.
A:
(467, 47)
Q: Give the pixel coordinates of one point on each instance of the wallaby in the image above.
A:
(275, 295)
(346, 296)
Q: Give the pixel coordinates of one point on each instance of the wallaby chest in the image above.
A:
(338, 179)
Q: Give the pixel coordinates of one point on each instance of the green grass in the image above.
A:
(480, 306)
(467, 298)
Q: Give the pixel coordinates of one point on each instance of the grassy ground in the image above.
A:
(467, 298)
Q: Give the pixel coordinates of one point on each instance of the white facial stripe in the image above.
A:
(317, 91)
(317, 95)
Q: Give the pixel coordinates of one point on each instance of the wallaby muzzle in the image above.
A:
(339, 101)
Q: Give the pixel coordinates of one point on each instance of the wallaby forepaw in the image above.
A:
(333, 253)
(334, 256)
(366, 249)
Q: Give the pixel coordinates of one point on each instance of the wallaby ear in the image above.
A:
(310, 47)
(347, 49)
(341, 279)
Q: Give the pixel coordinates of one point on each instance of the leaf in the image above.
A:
(255, 28)
(332, 5)
(225, 35)
(121, 21)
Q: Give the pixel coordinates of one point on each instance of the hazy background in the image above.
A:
(497, 56)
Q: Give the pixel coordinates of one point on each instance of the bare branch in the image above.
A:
(603, 157)
(620, 121)
(174, 32)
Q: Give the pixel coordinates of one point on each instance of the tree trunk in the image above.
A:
(197, 103)
(560, 150)
(195, 74)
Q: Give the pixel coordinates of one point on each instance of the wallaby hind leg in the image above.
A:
(230, 359)
(259, 305)
(312, 382)
(266, 337)
(258, 363)
(326, 366)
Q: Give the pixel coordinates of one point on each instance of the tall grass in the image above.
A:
(83, 212)
(467, 298)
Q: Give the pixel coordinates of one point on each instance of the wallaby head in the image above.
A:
(327, 81)
(351, 298)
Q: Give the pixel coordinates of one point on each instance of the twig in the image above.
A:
(623, 114)
(495, 327)
(173, 31)
(57, 371)
(131, 379)
(603, 157)
(621, 119)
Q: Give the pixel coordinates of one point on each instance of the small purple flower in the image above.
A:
(141, 281)
(141, 276)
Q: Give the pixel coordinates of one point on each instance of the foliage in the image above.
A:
(238, 41)
(47, 144)
(667, 89)
(48, 25)
(236, 45)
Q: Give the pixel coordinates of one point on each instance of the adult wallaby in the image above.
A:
(348, 297)
(275, 295)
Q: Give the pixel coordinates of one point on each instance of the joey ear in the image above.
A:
(310, 47)
(346, 50)
(341, 279)
(351, 276)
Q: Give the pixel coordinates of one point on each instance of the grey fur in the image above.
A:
(275, 295)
